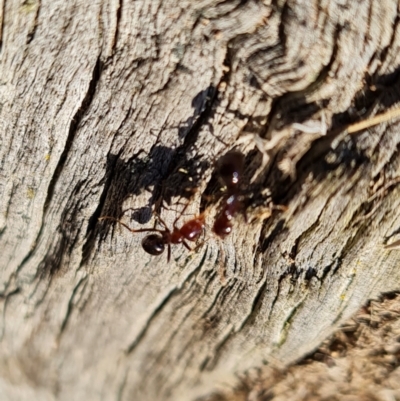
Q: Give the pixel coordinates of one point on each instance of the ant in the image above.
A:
(230, 170)
(154, 244)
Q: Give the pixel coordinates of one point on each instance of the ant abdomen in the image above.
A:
(222, 225)
(153, 244)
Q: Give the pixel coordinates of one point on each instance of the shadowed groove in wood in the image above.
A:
(255, 305)
(81, 282)
(284, 330)
(37, 5)
(117, 25)
(160, 306)
(91, 231)
(75, 121)
(364, 347)
(2, 11)
(6, 298)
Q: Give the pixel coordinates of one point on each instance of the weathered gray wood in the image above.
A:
(360, 361)
(103, 103)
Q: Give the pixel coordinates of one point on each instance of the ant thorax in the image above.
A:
(192, 229)
(175, 237)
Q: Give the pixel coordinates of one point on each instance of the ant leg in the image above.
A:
(393, 245)
(198, 246)
(139, 230)
(162, 221)
(185, 244)
(282, 208)
(180, 214)
(169, 253)
(203, 240)
(246, 217)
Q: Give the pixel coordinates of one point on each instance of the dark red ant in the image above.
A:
(154, 244)
(230, 170)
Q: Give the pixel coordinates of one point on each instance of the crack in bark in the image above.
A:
(2, 17)
(205, 115)
(82, 281)
(160, 307)
(117, 24)
(306, 232)
(286, 324)
(227, 290)
(287, 273)
(367, 28)
(85, 104)
(122, 386)
(281, 29)
(271, 237)
(329, 231)
(326, 270)
(212, 305)
(32, 31)
(6, 297)
(183, 350)
(87, 246)
(131, 347)
(380, 194)
(338, 317)
(255, 306)
(75, 121)
(392, 41)
(209, 364)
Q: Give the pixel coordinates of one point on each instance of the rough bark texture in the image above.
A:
(105, 105)
(360, 362)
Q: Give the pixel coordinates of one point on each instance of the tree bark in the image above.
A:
(122, 109)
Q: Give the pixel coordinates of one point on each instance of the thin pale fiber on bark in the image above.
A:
(123, 109)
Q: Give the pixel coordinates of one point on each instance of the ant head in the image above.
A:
(230, 168)
(153, 244)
